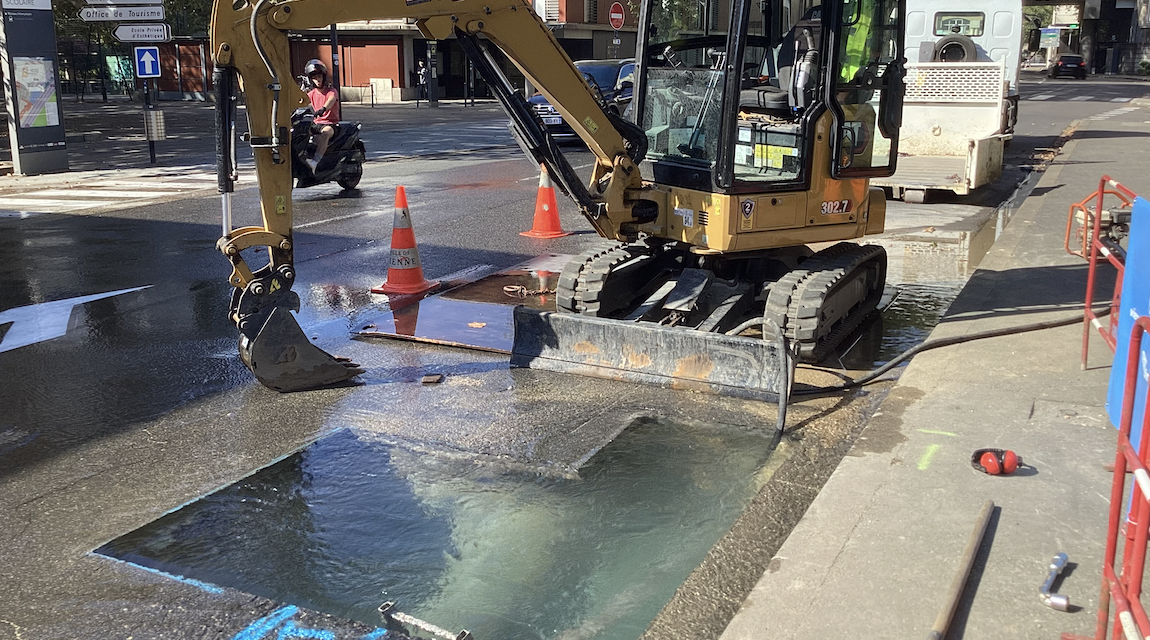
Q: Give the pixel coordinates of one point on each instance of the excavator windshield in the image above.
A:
(731, 90)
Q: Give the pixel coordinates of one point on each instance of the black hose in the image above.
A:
(943, 342)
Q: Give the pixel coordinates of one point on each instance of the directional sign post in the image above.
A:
(147, 62)
(148, 66)
(157, 32)
(109, 13)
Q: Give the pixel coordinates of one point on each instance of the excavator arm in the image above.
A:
(250, 50)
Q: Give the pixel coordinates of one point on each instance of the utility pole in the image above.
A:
(335, 60)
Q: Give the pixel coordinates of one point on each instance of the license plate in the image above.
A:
(552, 120)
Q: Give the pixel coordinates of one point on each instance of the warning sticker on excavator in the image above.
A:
(746, 222)
(688, 216)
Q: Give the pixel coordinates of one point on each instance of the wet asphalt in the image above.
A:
(141, 406)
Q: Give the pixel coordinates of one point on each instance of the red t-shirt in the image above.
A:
(319, 99)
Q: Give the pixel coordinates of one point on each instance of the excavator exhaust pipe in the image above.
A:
(282, 358)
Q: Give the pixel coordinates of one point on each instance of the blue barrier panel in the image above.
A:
(1135, 302)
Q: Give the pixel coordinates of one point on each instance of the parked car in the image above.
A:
(615, 80)
(1069, 64)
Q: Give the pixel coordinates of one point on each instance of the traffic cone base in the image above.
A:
(404, 273)
(546, 223)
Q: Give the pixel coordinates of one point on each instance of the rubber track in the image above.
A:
(815, 283)
(567, 290)
(580, 288)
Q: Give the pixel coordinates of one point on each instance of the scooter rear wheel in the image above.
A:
(350, 175)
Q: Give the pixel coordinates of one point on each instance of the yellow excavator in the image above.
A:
(748, 139)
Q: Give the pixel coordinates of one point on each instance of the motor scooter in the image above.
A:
(342, 162)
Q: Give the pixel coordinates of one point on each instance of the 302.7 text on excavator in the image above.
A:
(749, 141)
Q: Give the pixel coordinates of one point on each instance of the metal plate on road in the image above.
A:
(112, 13)
(158, 32)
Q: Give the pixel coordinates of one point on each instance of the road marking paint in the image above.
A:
(1045, 96)
(113, 194)
(266, 624)
(1081, 98)
(927, 456)
(938, 433)
(40, 322)
(1120, 99)
(335, 219)
(46, 205)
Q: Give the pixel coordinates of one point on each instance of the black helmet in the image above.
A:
(315, 65)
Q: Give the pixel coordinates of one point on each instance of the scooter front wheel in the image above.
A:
(349, 177)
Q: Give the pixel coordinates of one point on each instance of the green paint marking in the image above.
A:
(927, 456)
(938, 433)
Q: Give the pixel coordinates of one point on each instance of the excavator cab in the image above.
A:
(731, 105)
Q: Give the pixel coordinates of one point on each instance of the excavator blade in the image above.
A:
(282, 358)
(646, 352)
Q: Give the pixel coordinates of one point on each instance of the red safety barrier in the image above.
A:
(1094, 244)
(1126, 588)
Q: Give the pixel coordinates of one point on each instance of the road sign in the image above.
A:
(117, 2)
(113, 13)
(617, 16)
(147, 62)
(143, 32)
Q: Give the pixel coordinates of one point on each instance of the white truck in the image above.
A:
(961, 95)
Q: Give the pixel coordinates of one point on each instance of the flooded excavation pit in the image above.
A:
(468, 542)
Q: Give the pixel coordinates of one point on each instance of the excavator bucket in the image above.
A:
(282, 358)
(673, 357)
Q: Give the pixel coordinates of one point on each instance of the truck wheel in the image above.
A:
(350, 175)
(955, 48)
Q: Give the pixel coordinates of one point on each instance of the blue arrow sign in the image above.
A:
(147, 62)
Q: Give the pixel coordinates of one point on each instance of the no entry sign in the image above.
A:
(617, 16)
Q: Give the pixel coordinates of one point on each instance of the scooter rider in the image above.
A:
(325, 102)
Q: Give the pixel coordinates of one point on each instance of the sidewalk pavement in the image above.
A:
(875, 554)
(109, 136)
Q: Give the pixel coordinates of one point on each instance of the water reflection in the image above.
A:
(350, 522)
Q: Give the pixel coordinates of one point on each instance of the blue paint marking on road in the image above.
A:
(266, 624)
(206, 586)
(290, 630)
(375, 635)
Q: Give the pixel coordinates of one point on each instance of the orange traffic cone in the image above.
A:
(405, 273)
(546, 223)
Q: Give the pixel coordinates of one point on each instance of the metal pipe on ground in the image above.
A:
(958, 585)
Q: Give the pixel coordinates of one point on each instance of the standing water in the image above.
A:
(351, 521)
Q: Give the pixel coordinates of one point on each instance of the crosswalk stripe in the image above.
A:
(34, 204)
(1120, 100)
(1081, 98)
(1045, 96)
(111, 194)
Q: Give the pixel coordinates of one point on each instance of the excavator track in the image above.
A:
(819, 304)
(606, 279)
